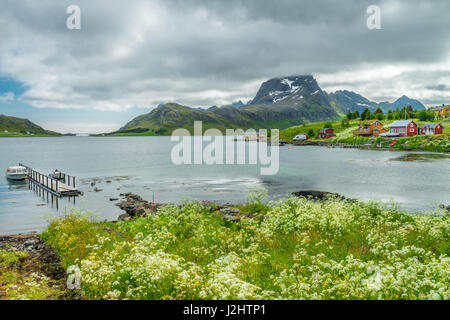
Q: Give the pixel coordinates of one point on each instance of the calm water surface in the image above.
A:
(142, 165)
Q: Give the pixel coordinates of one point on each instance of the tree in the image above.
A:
(410, 110)
(425, 115)
(311, 133)
(378, 111)
(345, 123)
(350, 115)
(356, 114)
(390, 115)
(328, 124)
(367, 115)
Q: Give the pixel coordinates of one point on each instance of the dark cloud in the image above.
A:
(201, 53)
(439, 87)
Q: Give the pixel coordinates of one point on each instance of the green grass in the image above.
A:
(292, 249)
(23, 135)
(433, 143)
(339, 130)
(17, 284)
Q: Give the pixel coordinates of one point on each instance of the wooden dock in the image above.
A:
(53, 186)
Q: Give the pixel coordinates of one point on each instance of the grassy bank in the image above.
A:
(312, 129)
(292, 249)
(436, 143)
(15, 284)
(24, 135)
(344, 134)
(30, 270)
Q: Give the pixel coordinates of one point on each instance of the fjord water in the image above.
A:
(143, 165)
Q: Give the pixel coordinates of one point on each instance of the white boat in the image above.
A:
(16, 173)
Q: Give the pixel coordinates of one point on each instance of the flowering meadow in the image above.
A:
(290, 249)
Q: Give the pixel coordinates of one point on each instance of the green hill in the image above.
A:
(13, 127)
(164, 119)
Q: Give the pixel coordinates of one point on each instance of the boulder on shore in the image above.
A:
(124, 217)
(319, 195)
(135, 206)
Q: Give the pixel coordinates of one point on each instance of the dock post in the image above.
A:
(56, 185)
(68, 180)
(73, 182)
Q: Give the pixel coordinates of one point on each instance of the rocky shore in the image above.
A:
(319, 195)
(135, 206)
(41, 256)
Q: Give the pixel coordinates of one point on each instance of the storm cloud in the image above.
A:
(202, 53)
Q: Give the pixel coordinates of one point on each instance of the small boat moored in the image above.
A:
(16, 173)
(58, 175)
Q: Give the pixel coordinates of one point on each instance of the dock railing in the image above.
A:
(50, 184)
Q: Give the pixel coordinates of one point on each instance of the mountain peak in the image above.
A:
(280, 89)
(404, 101)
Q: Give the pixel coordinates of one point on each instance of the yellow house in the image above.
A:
(442, 111)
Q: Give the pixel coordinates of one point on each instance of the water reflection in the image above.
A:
(14, 185)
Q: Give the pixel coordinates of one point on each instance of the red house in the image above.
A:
(432, 128)
(404, 128)
(326, 133)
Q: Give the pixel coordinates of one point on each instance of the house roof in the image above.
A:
(370, 122)
(323, 130)
(431, 125)
(439, 108)
(401, 123)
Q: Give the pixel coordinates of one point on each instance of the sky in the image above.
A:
(129, 56)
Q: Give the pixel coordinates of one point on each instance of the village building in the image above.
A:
(441, 111)
(326, 133)
(368, 129)
(432, 128)
(404, 128)
(252, 135)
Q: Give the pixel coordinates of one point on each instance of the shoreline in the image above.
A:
(134, 206)
(341, 145)
(319, 143)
